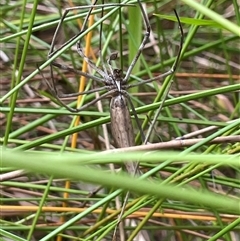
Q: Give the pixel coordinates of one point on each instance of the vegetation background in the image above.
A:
(50, 160)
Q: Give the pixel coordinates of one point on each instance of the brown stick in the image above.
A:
(177, 143)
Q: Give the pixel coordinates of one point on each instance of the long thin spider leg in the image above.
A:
(54, 93)
(159, 77)
(78, 72)
(87, 17)
(66, 11)
(90, 63)
(175, 64)
(106, 76)
(101, 28)
(52, 88)
(83, 92)
(144, 41)
(181, 43)
(109, 93)
(74, 110)
(171, 71)
(151, 128)
(51, 51)
(100, 50)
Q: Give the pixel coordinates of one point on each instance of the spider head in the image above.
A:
(117, 78)
(117, 74)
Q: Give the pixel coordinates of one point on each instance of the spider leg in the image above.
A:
(175, 64)
(52, 52)
(157, 113)
(91, 102)
(181, 43)
(75, 110)
(91, 64)
(66, 11)
(83, 92)
(78, 72)
(159, 77)
(83, 28)
(144, 41)
(65, 67)
(104, 73)
(54, 93)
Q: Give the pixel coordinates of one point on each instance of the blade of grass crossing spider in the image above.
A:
(16, 79)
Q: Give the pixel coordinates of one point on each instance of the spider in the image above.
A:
(114, 82)
(116, 85)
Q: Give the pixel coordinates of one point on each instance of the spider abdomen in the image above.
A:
(121, 124)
